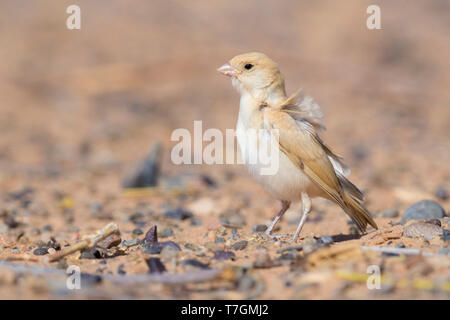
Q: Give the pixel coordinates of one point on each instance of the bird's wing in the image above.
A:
(299, 141)
(303, 107)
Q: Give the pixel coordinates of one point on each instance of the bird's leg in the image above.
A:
(306, 208)
(284, 206)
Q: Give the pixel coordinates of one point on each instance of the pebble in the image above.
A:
(220, 240)
(167, 232)
(446, 235)
(178, 214)
(195, 263)
(196, 222)
(326, 239)
(88, 280)
(425, 209)
(240, 245)
(145, 174)
(441, 193)
(138, 232)
(223, 255)
(259, 228)
(131, 243)
(155, 265)
(121, 270)
(400, 245)
(151, 236)
(40, 251)
(424, 230)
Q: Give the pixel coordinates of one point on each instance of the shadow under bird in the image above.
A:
(307, 168)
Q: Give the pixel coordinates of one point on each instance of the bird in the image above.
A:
(307, 167)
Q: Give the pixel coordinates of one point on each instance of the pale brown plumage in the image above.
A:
(298, 120)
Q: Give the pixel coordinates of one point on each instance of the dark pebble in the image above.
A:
(220, 240)
(259, 228)
(146, 174)
(400, 245)
(441, 193)
(288, 256)
(210, 182)
(88, 280)
(18, 195)
(103, 262)
(446, 235)
(240, 245)
(121, 269)
(425, 209)
(178, 214)
(137, 232)
(11, 222)
(196, 222)
(40, 251)
(47, 228)
(155, 265)
(195, 263)
(223, 255)
(151, 236)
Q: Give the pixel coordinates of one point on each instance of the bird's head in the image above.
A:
(254, 73)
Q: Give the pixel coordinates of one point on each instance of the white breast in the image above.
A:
(288, 181)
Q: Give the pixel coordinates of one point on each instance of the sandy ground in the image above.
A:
(80, 109)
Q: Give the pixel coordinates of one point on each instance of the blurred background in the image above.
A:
(79, 108)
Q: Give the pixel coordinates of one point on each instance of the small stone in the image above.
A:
(155, 265)
(446, 235)
(47, 228)
(131, 243)
(145, 174)
(259, 228)
(223, 255)
(424, 230)
(425, 209)
(441, 193)
(196, 222)
(326, 239)
(167, 232)
(195, 263)
(156, 248)
(40, 251)
(151, 236)
(88, 280)
(400, 245)
(178, 214)
(220, 240)
(240, 245)
(291, 255)
(121, 269)
(138, 232)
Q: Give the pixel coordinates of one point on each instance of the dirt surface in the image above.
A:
(81, 109)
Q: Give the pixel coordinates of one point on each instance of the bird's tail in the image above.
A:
(357, 212)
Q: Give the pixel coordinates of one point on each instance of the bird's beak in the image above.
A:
(229, 70)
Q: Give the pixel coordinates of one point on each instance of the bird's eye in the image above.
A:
(248, 66)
